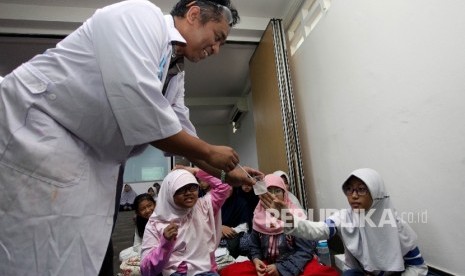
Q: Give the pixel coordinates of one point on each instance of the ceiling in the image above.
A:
(213, 86)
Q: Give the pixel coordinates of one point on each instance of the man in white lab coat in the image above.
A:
(71, 116)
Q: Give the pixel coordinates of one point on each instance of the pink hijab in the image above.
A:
(268, 224)
(263, 221)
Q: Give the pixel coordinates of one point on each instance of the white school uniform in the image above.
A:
(68, 118)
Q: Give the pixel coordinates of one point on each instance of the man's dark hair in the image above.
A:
(210, 11)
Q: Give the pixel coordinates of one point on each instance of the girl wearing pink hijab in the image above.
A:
(272, 252)
(184, 230)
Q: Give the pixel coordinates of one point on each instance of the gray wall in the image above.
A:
(213, 134)
(381, 84)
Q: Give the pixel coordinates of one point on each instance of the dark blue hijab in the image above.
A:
(235, 209)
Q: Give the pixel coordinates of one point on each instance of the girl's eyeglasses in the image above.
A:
(361, 191)
(188, 188)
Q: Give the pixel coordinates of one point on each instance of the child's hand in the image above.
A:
(228, 232)
(259, 266)
(270, 201)
(171, 231)
(192, 170)
(271, 270)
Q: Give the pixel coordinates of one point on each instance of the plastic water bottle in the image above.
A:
(323, 253)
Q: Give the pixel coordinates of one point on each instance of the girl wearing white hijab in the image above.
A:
(184, 230)
(290, 195)
(127, 198)
(376, 240)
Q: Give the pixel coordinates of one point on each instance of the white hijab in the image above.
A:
(291, 196)
(198, 229)
(129, 196)
(281, 173)
(376, 248)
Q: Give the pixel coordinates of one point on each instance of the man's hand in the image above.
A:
(238, 177)
(193, 148)
(223, 158)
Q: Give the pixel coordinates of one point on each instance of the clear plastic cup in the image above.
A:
(259, 187)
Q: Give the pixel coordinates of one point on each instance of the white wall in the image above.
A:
(244, 140)
(381, 84)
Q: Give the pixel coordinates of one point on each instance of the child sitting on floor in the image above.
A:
(184, 231)
(144, 204)
(376, 241)
(272, 252)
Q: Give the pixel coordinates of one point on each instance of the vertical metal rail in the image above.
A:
(291, 134)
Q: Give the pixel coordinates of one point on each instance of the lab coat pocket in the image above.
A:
(31, 78)
(44, 150)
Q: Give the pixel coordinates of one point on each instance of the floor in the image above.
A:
(123, 236)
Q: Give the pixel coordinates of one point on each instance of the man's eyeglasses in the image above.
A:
(188, 188)
(225, 10)
(275, 191)
(361, 191)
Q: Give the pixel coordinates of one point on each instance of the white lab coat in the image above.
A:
(68, 118)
